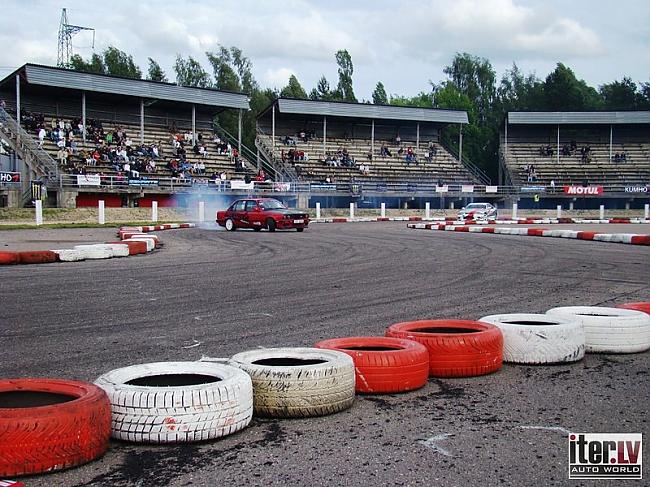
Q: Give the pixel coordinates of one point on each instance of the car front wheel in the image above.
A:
(299, 229)
(270, 224)
(230, 225)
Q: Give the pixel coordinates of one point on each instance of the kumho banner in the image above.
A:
(584, 190)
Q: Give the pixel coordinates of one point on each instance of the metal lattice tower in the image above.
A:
(66, 31)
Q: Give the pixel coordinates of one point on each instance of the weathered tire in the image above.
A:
(323, 384)
(230, 225)
(135, 247)
(37, 257)
(70, 255)
(457, 348)
(539, 338)
(382, 364)
(270, 224)
(299, 229)
(50, 424)
(174, 402)
(119, 250)
(642, 306)
(610, 330)
(9, 258)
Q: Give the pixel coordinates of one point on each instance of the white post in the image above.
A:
(559, 211)
(451, 205)
(571, 206)
(239, 131)
(351, 211)
(602, 212)
(18, 99)
(646, 211)
(372, 138)
(141, 121)
(383, 210)
(317, 210)
(201, 211)
(558, 144)
(324, 136)
(39, 212)
(460, 144)
(193, 124)
(154, 211)
(83, 115)
(102, 216)
(611, 136)
(514, 211)
(427, 210)
(273, 129)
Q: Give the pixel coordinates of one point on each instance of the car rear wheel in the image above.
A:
(257, 229)
(299, 229)
(230, 225)
(270, 224)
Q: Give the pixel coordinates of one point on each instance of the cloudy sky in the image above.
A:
(404, 44)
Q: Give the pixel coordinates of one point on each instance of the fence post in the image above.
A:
(602, 212)
(514, 211)
(102, 217)
(559, 211)
(427, 210)
(383, 210)
(351, 211)
(201, 211)
(39, 212)
(154, 211)
(646, 211)
(318, 210)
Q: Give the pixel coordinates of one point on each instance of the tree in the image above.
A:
(379, 96)
(190, 73)
(224, 72)
(518, 92)
(621, 95)
(475, 77)
(564, 92)
(119, 63)
(322, 90)
(294, 89)
(155, 72)
(344, 90)
(95, 65)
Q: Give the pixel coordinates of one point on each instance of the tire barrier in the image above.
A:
(177, 402)
(610, 330)
(455, 221)
(70, 255)
(9, 258)
(626, 238)
(457, 348)
(539, 338)
(50, 424)
(135, 248)
(382, 364)
(298, 382)
(151, 245)
(94, 251)
(37, 257)
(643, 306)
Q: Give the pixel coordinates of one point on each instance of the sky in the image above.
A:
(404, 44)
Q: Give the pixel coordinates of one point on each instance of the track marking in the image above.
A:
(431, 443)
(547, 428)
(194, 345)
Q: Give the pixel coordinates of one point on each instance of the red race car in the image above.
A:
(261, 213)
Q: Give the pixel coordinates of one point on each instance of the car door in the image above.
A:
(248, 216)
(255, 214)
(238, 213)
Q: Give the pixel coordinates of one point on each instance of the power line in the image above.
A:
(66, 31)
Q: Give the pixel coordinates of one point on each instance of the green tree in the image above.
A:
(189, 72)
(475, 77)
(518, 92)
(621, 95)
(379, 96)
(294, 89)
(322, 90)
(225, 76)
(119, 63)
(344, 90)
(422, 99)
(155, 72)
(564, 92)
(95, 65)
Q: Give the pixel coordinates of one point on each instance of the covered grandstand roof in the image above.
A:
(35, 74)
(364, 110)
(578, 118)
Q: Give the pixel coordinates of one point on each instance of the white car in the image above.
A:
(478, 211)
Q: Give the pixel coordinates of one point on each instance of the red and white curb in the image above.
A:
(11, 483)
(627, 238)
(519, 221)
(133, 241)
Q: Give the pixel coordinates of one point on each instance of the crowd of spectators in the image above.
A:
(341, 158)
(531, 174)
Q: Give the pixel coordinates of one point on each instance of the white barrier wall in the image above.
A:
(101, 218)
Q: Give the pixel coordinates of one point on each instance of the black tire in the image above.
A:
(232, 223)
(257, 229)
(299, 229)
(270, 224)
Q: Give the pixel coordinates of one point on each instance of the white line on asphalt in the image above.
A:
(431, 443)
(548, 428)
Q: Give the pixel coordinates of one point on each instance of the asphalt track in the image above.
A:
(229, 292)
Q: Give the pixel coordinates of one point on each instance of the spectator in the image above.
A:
(41, 137)
(398, 140)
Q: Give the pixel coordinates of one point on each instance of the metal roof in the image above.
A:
(75, 80)
(362, 110)
(578, 118)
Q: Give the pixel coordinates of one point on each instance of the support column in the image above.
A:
(83, 115)
(18, 99)
(239, 132)
(273, 130)
(324, 137)
(460, 144)
(558, 144)
(193, 124)
(417, 137)
(141, 121)
(611, 136)
(505, 154)
(372, 139)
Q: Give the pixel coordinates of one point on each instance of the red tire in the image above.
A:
(50, 424)
(642, 306)
(8, 258)
(384, 365)
(134, 247)
(37, 257)
(457, 348)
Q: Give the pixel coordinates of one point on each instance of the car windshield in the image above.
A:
(271, 205)
(476, 206)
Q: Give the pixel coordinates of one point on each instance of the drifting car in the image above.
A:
(478, 211)
(259, 213)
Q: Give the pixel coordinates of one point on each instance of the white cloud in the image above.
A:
(277, 78)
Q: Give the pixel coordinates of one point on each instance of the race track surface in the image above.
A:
(230, 292)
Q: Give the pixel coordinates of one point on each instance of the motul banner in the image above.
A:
(9, 177)
(584, 190)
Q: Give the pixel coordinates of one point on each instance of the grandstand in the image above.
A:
(149, 113)
(608, 149)
(344, 142)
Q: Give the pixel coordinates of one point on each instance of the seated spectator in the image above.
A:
(203, 151)
(369, 155)
(303, 136)
(623, 156)
(398, 140)
(573, 145)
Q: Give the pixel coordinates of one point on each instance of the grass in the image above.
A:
(32, 226)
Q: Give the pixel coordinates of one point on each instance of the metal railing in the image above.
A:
(472, 168)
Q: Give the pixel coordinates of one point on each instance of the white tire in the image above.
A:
(298, 382)
(95, 251)
(172, 402)
(610, 330)
(538, 338)
(69, 255)
(119, 250)
(229, 224)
